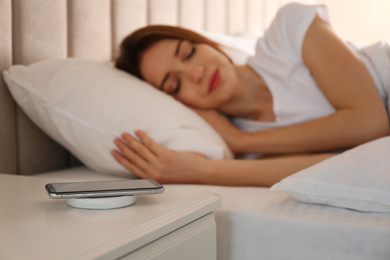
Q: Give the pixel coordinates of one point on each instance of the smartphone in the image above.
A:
(94, 189)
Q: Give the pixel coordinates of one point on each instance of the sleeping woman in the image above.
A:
(304, 94)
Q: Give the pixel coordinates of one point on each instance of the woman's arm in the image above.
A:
(149, 160)
(345, 81)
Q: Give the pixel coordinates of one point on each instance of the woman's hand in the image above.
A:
(224, 128)
(149, 160)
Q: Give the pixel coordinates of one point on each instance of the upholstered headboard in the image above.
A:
(40, 29)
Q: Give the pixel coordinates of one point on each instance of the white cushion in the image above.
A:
(357, 179)
(84, 105)
(238, 47)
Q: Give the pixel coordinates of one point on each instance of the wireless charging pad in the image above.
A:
(102, 203)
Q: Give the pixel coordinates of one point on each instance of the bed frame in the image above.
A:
(92, 29)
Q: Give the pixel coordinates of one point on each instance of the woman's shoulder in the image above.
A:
(296, 13)
(297, 9)
(290, 25)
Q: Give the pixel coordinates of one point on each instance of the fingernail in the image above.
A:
(139, 132)
(114, 154)
(125, 135)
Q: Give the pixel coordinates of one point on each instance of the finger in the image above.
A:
(131, 155)
(140, 147)
(132, 168)
(153, 146)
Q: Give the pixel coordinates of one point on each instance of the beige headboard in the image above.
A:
(32, 30)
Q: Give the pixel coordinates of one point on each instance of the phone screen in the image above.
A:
(104, 185)
(139, 186)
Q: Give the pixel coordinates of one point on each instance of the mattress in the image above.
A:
(256, 223)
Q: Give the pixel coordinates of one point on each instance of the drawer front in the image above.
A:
(194, 241)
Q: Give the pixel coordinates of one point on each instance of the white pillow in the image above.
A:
(357, 179)
(84, 105)
(238, 47)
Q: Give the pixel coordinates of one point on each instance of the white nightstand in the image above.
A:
(178, 224)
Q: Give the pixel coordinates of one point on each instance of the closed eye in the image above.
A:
(177, 89)
(178, 84)
(193, 50)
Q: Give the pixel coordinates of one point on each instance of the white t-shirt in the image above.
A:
(278, 59)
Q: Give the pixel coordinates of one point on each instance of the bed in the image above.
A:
(253, 223)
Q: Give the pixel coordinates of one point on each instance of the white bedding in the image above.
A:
(255, 223)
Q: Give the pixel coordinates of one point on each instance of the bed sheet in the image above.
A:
(255, 223)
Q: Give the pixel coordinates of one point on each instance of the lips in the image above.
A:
(215, 80)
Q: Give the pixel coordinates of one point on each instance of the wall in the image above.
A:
(360, 20)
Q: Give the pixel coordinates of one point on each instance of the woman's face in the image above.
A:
(195, 74)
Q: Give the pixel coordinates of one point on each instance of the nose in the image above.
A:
(194, 72)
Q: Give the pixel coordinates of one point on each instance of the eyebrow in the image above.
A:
(167, 75)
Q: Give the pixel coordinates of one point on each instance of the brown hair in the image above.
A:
(140, 40)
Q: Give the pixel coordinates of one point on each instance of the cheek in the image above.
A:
(189, 98)
(185, 99)
(149, 77)
(150, 71)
